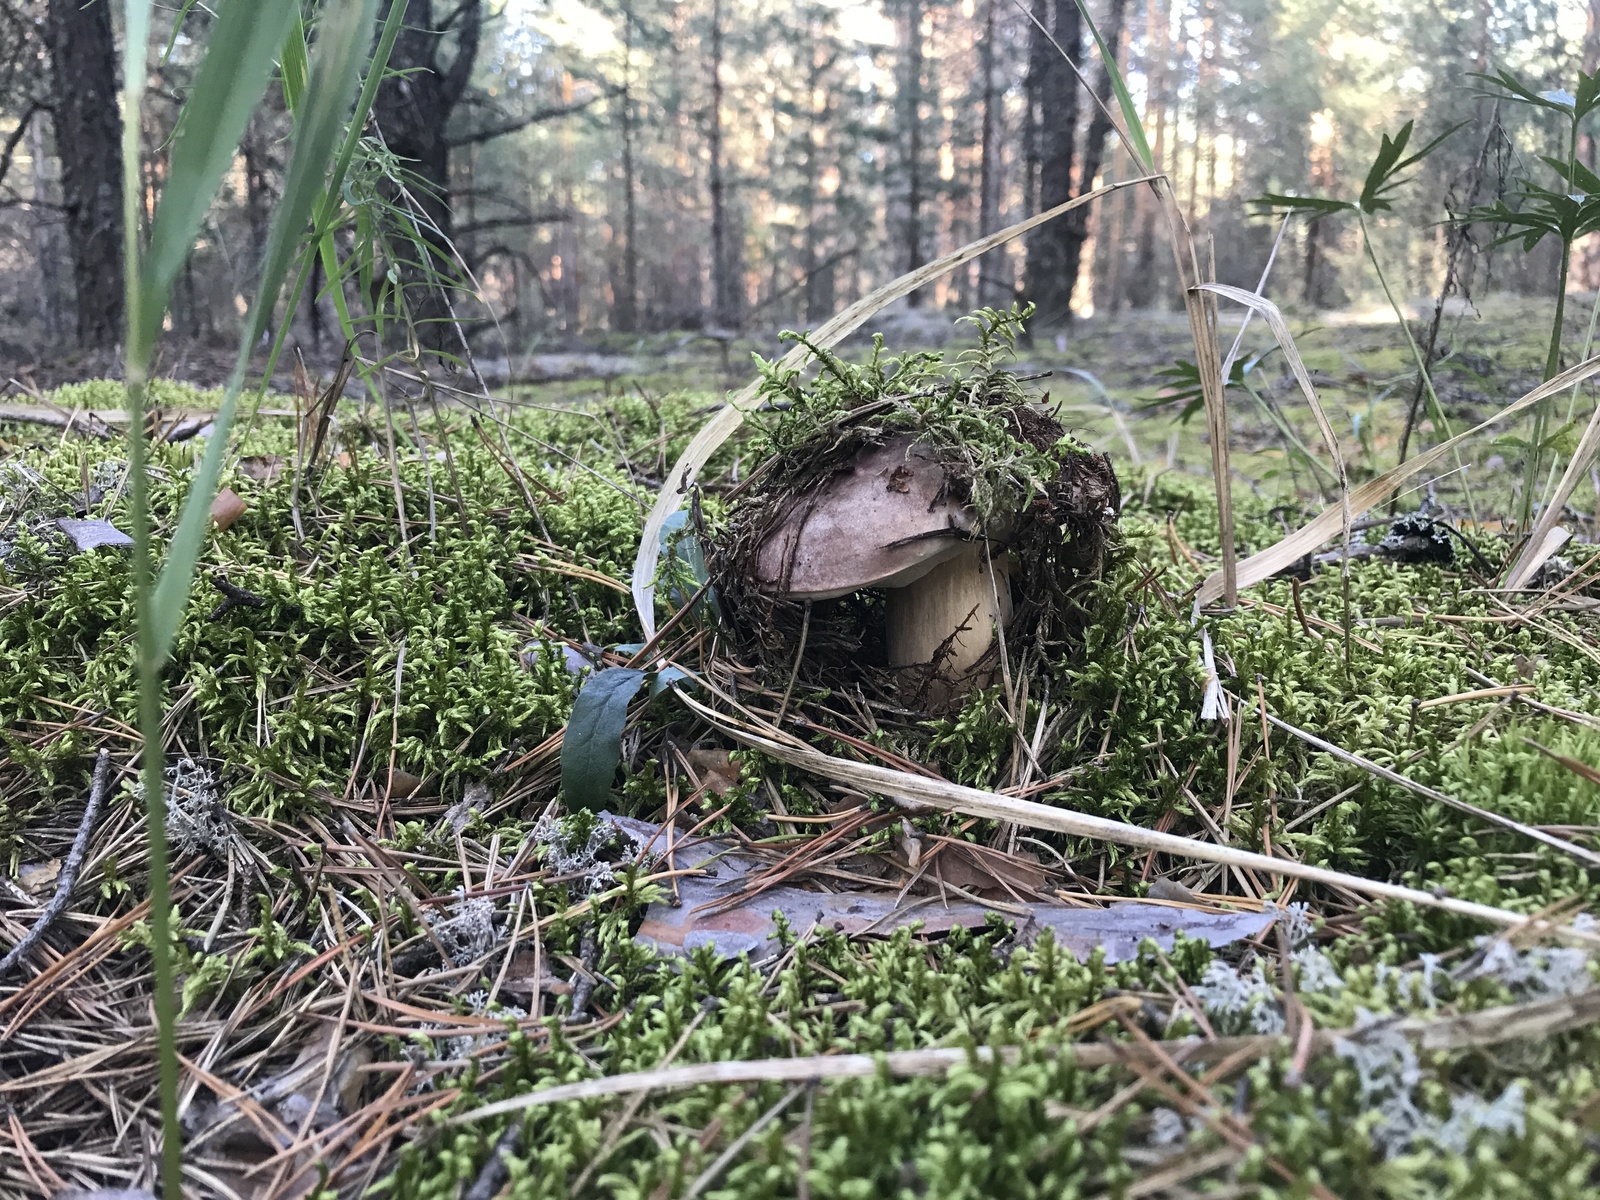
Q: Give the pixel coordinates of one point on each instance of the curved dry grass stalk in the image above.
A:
(728, 418)
(1273, 316)
(993, 806)
(1540, 544)
(1326, 524)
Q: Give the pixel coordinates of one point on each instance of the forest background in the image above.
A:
(643, 166)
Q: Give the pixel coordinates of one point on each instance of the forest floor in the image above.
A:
(406, 967)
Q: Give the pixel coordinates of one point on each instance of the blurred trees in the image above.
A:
(646, 165)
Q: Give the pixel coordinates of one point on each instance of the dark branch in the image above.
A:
(537, 116)
(69, 869)
(10, 149)
(553, 217)
(453, 83)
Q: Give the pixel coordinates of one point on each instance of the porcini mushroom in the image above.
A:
(888, 520)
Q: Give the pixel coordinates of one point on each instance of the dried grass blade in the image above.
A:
(1325, 525)
(996, 807)
(1536, 552)
(721, 426)
(1273, 316)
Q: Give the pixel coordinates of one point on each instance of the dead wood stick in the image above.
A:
(1487, 1027)
(69, 869)
(975, 802)
(1587, 857)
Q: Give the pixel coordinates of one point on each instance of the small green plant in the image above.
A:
(246, 42)
(1566, 213)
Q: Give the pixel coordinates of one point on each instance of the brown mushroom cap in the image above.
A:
(884, 521)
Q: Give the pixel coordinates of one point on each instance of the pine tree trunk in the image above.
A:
(47, 249)
(1039, 58)
(1141, 290)
(911, 108)
(724, 304)
(1049, 286)
(991, 287)
(625, 302)
(88, 131)
(413, 109)
(1075, 225)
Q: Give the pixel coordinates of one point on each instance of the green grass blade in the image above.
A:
(233, 77)
(328, 210)
(136, 365)
(295, 64)
(1130, 115)
(342, 40)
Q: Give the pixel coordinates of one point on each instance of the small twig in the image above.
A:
(232, 597)
(709, 1176)
(495, 1173)
(69, 869)
(583, 980)
(1588, 857)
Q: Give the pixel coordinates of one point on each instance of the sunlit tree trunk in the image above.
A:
(1075, 226)
(724, 298)
(1049, 256)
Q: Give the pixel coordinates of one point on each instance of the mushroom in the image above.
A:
(887, 520)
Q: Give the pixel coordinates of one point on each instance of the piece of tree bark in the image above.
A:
(88, 129)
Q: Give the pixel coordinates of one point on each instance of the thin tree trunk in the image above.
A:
(1049, 285)
(46, 233)
(724, 314)
(990, 290)
(626, 316)
(911, 236)
(1075, 226)
(88, 142)
(818, 275)
(1040, 53)
(1142, 286)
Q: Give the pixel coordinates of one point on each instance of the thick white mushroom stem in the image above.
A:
(961, 601)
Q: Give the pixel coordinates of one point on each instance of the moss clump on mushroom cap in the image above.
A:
(1016, 494)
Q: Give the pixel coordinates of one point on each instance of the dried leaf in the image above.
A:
(38, 877)
(91, 533)
(227, 508)
(716, 770)
(263, 468)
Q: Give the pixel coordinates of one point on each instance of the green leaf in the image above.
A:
(1320, 205)
(232, 78)
(1130, 114)
(342, 40)
(296, 65)
(592, 744)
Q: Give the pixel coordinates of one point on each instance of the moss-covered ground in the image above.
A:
(377, 734)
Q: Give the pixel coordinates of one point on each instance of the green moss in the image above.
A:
(280, 698)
